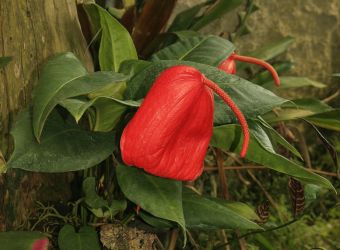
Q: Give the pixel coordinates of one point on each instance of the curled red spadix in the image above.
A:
(170, 133)
(229, 65)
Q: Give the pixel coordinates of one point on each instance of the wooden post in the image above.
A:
(31, 31)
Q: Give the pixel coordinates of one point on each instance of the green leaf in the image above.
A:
(211, 50)
(92, 199)
(184, 19)
(261, 136)
(63, 146)
(108, 110)
(76, 106)
(64, 77)
(97, 205)
(108, 113)
(116, 44)
(4, 61)
(276, 137)
(297, 109)
(185, 34)
(294, 82)
(85, 239)
(19, 240)
(220, 8)
(156, 222)
(240, 208)
(115, 90)
(252, 99)
(228, 137)
(336, 74)
(159, 196)
(133, 67)
(272, 50)
(204, 213)
(329, 119)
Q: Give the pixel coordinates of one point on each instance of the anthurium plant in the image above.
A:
(149, 123)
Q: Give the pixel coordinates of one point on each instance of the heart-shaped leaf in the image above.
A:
(85, 239)
(64, 77)
(63, 146)
(210, 50)
(159, 196)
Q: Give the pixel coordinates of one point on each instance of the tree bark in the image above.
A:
(31, 31)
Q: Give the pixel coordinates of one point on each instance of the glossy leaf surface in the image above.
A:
(63, 146)
(211, 50)
(64, 77)
(159, 196)
(116, 44)
(204, 213)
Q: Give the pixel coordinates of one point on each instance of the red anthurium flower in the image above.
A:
(229, 65)
(41, 244)
(170, 133)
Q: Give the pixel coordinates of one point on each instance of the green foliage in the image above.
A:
(288, 82)
(116, 44)
(261, 151)
(97, 205)
(19, 240)
(56, 152)
(196, 49)
(159, 196)
(204, 213)
(85, 239)
(329, 119)
(77, 119)
(216, 11)
(64, 77)
(272, 50)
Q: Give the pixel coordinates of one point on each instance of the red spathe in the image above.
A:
(228, 65)
(170, 133)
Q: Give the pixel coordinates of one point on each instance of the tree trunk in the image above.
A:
(30, 32)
